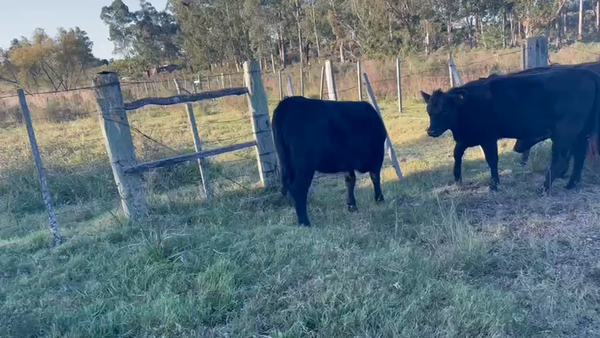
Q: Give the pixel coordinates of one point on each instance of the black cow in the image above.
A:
(564, 101)
(523, 146)
(329, 137)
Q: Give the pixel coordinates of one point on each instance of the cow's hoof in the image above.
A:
(571, 185)
(494, 187)
(305, 224)
(543, 191)
(352, 208)
(380, 199)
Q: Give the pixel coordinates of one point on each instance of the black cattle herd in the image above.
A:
(560, 102)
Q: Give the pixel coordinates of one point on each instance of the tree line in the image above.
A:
(202, 34)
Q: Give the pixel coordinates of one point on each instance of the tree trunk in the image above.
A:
(316, 32)
(513, 40)
(427, 37)
(503, 28)
(299, 26)
(597, 15)
(557, 33)
(565, 24)
(580, 35)
(342, 60)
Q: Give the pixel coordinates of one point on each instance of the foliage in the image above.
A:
(59, 63)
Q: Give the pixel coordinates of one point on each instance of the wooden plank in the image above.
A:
(197, 144)
(187, 158)
(359, 73)
(331, 88)
(322, 82)
(119, 144)
(290, 86)
(167, 101)
(399, 85)
(280, 86)
(37, 159)
(301, 79)
(388, 142)
(258, 105)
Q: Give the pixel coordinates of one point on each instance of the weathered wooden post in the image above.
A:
(399, 84)
(301, 79)
(450, 71)
(523, 57)
(290, 86)
(322, 83)
(280, 86)
(37, 159)
(119, 144)
(388, 142)
(455, 79)
(331, 88)
(535, 55)
(222, 81)
(197, 143)
(359, 73)
(261, 124)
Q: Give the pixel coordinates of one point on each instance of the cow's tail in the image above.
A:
(593, 149)
(281, 149)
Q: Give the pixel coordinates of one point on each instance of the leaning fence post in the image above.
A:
(457, 80)
(261, 124)
(119, 144)
(330, 81)
(197, 143)
(399, 85)
(388, 142)
(359, 72)
(280, 86)
(301, 79)
(290, 86)
(322, 83)
(40, 168)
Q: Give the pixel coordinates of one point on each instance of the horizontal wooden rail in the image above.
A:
(186, 158)
(167, 101)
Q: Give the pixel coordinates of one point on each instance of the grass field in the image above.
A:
(435, 260)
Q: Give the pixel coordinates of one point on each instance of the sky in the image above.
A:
(21, 17)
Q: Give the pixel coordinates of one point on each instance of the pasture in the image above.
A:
(434, 260)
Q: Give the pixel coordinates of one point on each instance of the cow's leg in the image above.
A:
(459, 151)
(299, 192)
(579, 152)
(560, 160)
(350, 184)
(376, 179)
(490, 150)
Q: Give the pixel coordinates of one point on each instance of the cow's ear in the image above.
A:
(425, 96)
(460, 96)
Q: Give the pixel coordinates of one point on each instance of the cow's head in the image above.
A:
(443, 110)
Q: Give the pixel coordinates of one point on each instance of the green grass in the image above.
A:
(435, 260)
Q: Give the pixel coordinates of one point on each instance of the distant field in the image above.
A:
(434, 261)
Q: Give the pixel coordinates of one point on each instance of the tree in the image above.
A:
(119, 20)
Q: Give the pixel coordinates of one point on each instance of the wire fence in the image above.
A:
(74, 153)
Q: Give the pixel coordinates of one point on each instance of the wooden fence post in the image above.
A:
(261, 124)
(399, 85)
(280, 86)
(450, 71)
(40, 168)
(359, 72)
(322, 83)
(119, 144)
(388, 142)
(222, 81)
(533, 55)
(455, 79)
(331, 89)
(197, 144)
(290, 86)
(301, 79)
